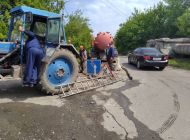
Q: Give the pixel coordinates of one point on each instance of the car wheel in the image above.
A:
(129, 60)
(139, 65)
(161, 68)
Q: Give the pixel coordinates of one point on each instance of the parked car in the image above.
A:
(151, 57)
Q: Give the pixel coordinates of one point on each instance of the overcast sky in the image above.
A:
(106, 15)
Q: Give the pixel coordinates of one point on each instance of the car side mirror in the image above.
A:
(29, 17)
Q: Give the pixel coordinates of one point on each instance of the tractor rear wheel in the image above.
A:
(60, 70)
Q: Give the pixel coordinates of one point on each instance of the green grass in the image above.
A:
(183, 63)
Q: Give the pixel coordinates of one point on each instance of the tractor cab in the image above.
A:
(47, 26)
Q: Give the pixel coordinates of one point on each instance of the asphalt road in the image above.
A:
(154, 106)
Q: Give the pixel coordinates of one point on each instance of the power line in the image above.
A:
(112, 7)
(66, 11)
(117, 8)
(64, 7)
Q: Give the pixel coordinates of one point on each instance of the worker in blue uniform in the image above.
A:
(34, 55)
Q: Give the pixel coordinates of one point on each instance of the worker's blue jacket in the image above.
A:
(34, 55)
(32, 41)
(110, 53)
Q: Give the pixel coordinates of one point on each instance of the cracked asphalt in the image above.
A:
(154, 106)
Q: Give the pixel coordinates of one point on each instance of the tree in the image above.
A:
(77, 30)
(140, 27)
(175, 9)
(183, 24)
(7, 5)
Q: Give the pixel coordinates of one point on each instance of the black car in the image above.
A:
(151, 57)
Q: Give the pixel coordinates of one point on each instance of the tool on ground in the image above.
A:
(89, 84)
(128, 74)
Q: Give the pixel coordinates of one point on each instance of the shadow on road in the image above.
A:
(133, 67)
(13, 90)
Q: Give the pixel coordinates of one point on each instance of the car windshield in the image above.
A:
(150, 51)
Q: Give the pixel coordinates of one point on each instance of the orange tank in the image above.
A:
(102, 40)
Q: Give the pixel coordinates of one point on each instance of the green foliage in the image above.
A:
(7, 5)
(4, 18)
(175, 9)
(140, 27)
(183, 63)
(78, 31)
(183, 23)
(171, 19)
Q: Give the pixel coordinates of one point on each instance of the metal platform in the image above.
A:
(87, 83)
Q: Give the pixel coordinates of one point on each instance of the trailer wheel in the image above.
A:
(60, 70)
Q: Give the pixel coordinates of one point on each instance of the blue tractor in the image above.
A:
(60, 64)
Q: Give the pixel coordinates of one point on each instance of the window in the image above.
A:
(15, 35)
(151, 51)
(136, 50)
(53, 30)
(40, 29)
(62, 35)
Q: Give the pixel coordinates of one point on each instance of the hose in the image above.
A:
(128, 74)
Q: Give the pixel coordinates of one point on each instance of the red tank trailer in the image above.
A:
(102, 40)
(101, 43)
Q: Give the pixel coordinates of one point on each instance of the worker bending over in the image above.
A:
(34, 55)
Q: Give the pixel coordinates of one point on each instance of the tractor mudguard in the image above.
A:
(50, 51)
(6, 47)
(48, 55)
(71, 48)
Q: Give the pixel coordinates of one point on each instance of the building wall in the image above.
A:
(179, 46)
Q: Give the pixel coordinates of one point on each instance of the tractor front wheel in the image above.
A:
(62, 69)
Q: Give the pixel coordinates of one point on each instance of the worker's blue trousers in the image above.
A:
(33, 65)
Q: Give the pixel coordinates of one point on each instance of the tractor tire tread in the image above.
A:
(45, 85)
